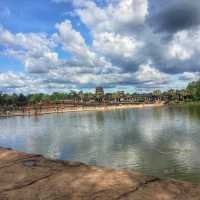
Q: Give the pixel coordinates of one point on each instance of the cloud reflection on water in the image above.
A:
(157, 141)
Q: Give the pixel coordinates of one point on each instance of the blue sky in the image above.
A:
(131, 45)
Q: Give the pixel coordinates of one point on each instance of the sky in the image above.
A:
(132, 45)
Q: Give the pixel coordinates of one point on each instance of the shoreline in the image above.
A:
(102, 108)
(29, 176)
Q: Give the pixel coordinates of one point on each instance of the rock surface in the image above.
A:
(31, 177)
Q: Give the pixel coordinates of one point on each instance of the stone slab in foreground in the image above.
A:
(31, 177)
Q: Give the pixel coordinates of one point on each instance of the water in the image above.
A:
(164, 141)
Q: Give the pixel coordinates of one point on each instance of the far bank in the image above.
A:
(35, 111)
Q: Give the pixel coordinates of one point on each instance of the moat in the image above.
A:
(158, 141)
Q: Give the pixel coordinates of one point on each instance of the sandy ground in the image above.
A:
(80, 109)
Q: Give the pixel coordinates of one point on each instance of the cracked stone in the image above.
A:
(24, 176)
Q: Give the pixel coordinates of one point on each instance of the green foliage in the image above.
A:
(191, 93)
(35, 98)
(57, 96)
(13, 99)
(194, 90)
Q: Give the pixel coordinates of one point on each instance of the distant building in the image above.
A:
(122, 93)
(121, 96)
(99, 93)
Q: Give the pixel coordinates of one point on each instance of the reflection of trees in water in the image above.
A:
(35, 118)
(119, 115)
(192, 111)
(158, 112)
(99, 117)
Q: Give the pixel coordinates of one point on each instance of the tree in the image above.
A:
(46, 98)
(35, 98)
(21, 100)
(57, 96)
(194, 90)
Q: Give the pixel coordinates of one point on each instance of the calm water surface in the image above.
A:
(157, 141)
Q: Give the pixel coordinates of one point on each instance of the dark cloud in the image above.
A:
(177, 15)
(125, 65)
(175, 67)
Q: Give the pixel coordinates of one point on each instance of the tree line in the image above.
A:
(190, 93)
